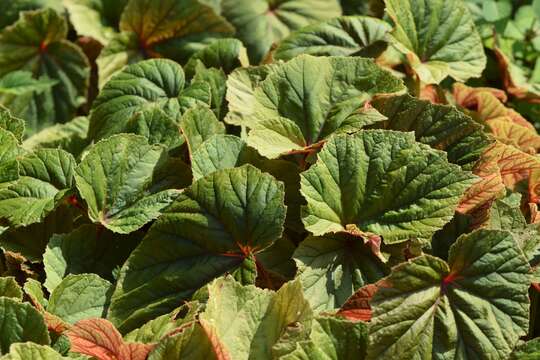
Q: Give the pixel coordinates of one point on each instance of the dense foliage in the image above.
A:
(269, 179)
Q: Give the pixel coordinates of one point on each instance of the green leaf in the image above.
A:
(155, 125)
(20, 322)
(438, 37)
(162, 326)
(157, 83)
(216, 80)
(536, 8)
(121, 50)
(476, 304)
(33, 289)
(261, 23)
(82, 296)
(496, 10)
(228, 151)
(224, 54)
(28, 350)
(11, 123)
(10, 288)
(527, 351)
(70, 136)
(22, 82)
(310, 98)
(241, 85)
(45, 178)
(331, 268)
(505, 214)
(9, 150)
(439, 126)
(342, 36)
(11, 10)
(37, 43)
(116, 180)
(207, 231)
(249, 321)
(332, 338)
(60, 220)
(381, 182)
(246, 274)
(195, 342)
(173, 29)
(95, 18)
(87, 249)
(199, 124)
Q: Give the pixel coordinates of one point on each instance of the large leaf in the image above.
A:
(45, 178)
(37, 43)
(81, 296)
(331, 268)
(174, 29)
(119, 180)
(440, 126)
(261, 23)
(249, 321)
(438, 37)
(20, 322)
(87, 249)
(310, 98)
(208, 230)
(141, 87)
(342, 36)
(381, 182)
(477, 304)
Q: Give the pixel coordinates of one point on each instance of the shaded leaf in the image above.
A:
(207, 231)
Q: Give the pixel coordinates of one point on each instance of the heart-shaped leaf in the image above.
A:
(438, 37)
(143, 88)
(457, 308)
(207, 231)
(381, 182)
(307, 99)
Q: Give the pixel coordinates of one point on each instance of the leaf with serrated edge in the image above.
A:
(461, 309)
(382, 182)
(207, 231)
(115, 178)
(439, 38)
